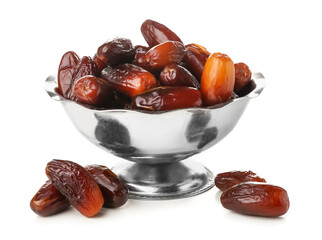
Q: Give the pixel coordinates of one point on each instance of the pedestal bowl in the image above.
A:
(155, 143)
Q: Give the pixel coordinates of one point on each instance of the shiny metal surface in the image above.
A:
(158, 138)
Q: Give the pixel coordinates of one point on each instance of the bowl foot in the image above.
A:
(165, 181)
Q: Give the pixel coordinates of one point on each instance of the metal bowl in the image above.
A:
(156, 142)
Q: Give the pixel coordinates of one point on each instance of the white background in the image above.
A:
(278, 137)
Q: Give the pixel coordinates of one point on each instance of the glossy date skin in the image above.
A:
(168, 98)
(218, 79)
(66, 71)
(155, 33)
(229, 179)
(256, 199)
(176, 75)
(165, 53)
(116, 51)
(48, 201)
(128, 79)
(94, 91)
(77, 185)
(195, 59)
(114, 191)
(243, 76)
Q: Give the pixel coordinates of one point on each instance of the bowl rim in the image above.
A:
(51, 87)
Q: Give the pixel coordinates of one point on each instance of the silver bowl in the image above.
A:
(156, 142)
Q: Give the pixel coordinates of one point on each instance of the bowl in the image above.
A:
(155, 143)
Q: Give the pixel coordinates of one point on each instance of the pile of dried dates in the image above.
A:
(164, 75)
(86, 189)
(247, 193)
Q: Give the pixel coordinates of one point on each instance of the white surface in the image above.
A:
(278, 137)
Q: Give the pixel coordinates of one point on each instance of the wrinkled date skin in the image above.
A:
(94, 91)
(77, 185)
(86, 66)
(175, 75)
(229, 179)
(155, 33)
(168, 98)
(195, 59)
(48, 200)
(218, 79)
(66, 71)
(165, 53)
(242, 76)
(256, 199)
(116, 51)
(128, 79)
(114, 191)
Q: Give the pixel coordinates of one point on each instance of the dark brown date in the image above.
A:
(86, 66)
(165, 53)
(114, 191)
(116, 51)
(195, 59)
(66, 71)
(168, 98)
(99, 63)
(129, 79)
(77, 185)
(242, 76)
(175, 75)
(94, 91)
(226, 180)
(155, 33)
(140, 48)
(256, 199)
(48, 200)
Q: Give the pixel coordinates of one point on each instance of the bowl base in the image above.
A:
(165, 181)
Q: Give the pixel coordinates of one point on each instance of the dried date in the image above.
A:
(218, 79)
(243, 76)
(228, 179)
(168, 98)
(48, 200)
(94, 91)
(77, 185)
(175, 75)
(114, 191)
(128, 79)
(116, 51)
(66, 71)
(256, 199)
(165, 53)
(195, 59)
(155, 33)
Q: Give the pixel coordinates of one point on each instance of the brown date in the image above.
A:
(155, 33)
(129, 79)
(175, 75)
(195, 59)
(256, 199)
(114, 191)
(218, 79)
(168, 98)
(165, 53)
(99, 63)
(86, 66)
(48, 200)
(228, 179)
(93, 91)
(66, 71)
(116, 51)
(140, 48)
(242, 76)
(77, 185)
